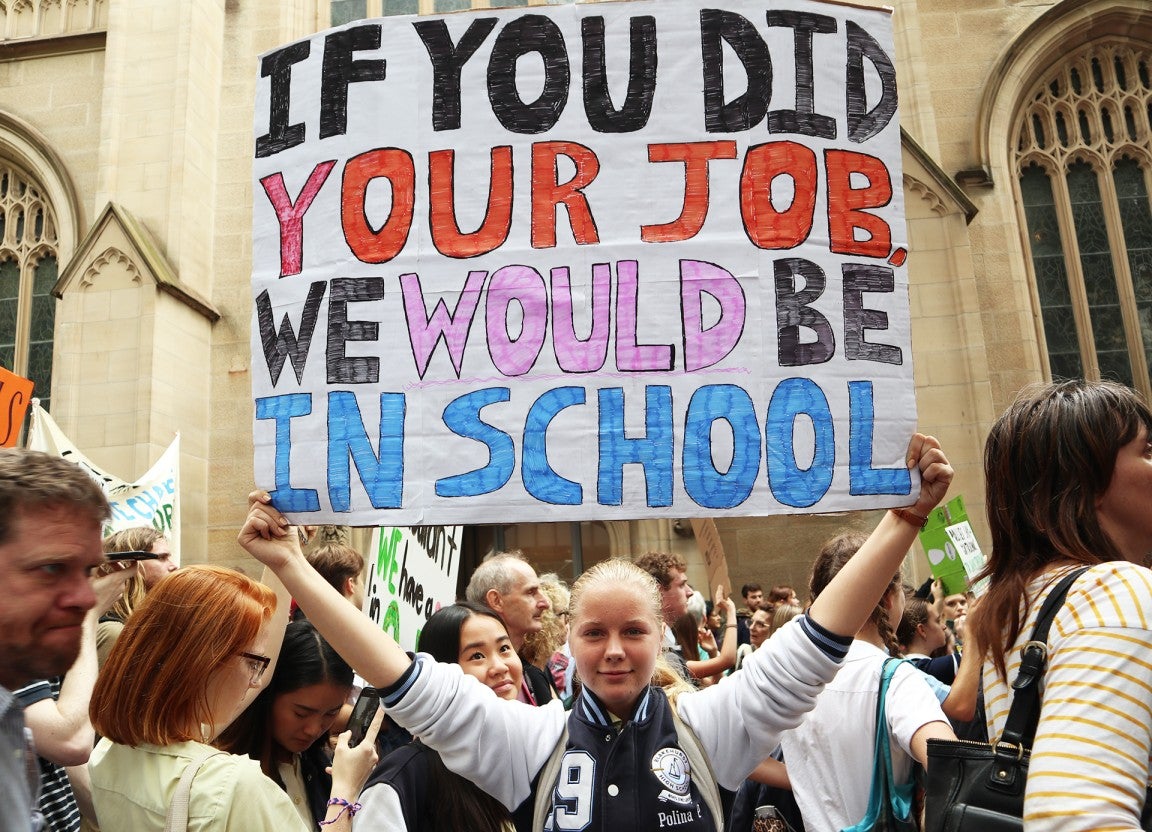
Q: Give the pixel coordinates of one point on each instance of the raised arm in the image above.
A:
(726, 658)
(845, 604)
(269, 538)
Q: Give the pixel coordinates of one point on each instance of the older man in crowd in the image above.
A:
(508, 585)
(51, 514)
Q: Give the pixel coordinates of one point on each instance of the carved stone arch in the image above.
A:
(1064, 29)
(111, 257)
(927, 194)
(25, 147)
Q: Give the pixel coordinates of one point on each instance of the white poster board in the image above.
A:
(579, 262)
(411, 574)
(153, 500)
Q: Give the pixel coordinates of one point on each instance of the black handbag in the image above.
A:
(979, 787)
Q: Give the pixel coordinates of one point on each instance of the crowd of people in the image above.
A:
(138, 696)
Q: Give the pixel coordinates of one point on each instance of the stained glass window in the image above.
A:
(28, 271)
(1084, 159)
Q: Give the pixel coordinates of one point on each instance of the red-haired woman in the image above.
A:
(190, 659)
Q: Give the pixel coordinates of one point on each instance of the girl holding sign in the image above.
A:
(630, 754)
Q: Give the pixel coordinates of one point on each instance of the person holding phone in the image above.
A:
(286, 727)
(148, 572)
(620, 758)
(191, 657)
(412, 790)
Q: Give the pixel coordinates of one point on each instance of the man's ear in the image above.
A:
(349, 586)
(494, 601)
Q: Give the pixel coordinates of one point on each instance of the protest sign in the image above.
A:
(411, 574)
(954, 554)
(592, 261)
(15, 396)
(153, 500)
(708, 539)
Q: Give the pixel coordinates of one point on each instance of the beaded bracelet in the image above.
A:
(345, 806)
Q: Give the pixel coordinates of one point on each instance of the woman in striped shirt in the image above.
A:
(1068, 469)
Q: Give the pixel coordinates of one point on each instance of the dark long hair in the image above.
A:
(305, 659)
(456, 803)
(1047, 461)
(833, 555)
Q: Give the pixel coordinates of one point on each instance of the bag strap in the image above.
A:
(883, 788)
(709, 789)
(1024, 715)
(547, 778)
(177, 817)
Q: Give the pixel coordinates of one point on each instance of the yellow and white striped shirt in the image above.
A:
(1091, 759)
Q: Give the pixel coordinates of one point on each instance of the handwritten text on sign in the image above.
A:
(590, 261)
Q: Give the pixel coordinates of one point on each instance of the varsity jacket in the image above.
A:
(501, 746)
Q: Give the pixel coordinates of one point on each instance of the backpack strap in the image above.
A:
(177, 817)
(690, 744)
(546, 779)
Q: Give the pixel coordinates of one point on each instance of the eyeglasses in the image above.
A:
(256, 666)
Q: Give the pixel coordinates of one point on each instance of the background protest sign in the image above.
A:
(153, 500)
(15, 396)
(590, 261)
(953, 552)
(412, 573)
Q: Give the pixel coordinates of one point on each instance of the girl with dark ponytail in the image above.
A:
(829, 756)
(286, 726)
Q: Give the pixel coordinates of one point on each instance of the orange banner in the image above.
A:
(15, 396)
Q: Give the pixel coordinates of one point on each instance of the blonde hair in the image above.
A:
(620, 574)
(135, 539)
(539, 646)
(782, 614)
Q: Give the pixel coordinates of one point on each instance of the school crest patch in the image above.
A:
(672, 769)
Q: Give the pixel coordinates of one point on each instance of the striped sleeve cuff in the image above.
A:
(392, 694)
(833, 646)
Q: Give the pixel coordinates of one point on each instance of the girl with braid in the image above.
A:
(829, 756)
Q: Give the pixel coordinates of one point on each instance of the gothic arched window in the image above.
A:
(28, 271)
(1083, 155)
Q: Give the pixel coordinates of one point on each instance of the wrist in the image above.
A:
(910, 517)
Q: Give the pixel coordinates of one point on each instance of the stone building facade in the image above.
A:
(125, 137)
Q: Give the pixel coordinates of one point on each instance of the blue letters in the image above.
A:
(704, 484)
(283, 409)
(654, 451)
(383, 476)
(792, 485)
(862, 477)
(462, 417)
(540, 480)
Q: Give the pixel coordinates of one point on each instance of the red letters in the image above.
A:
(695, 156)
(368, 244)
(547, 193)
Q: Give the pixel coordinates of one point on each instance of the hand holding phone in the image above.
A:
(362, 712)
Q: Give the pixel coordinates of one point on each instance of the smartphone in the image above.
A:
(362, 713)
(114, 556)
(769, 819)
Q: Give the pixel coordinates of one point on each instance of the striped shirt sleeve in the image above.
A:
(1091, 759)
